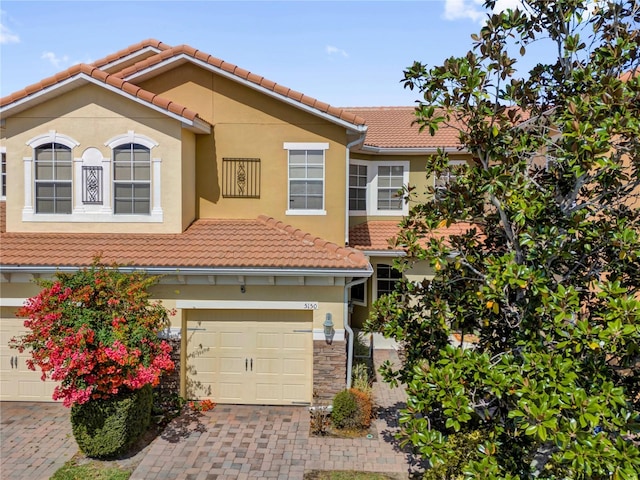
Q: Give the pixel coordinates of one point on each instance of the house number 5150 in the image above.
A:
(311, 306)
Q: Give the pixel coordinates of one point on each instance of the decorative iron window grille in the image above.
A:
(241, 177)
(92, 183)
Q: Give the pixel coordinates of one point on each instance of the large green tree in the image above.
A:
(547, 277)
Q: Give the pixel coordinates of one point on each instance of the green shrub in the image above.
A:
(461, 447)
(345, 410)
(107, 427)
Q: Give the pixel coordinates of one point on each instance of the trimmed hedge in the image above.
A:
(345, 410)
(107, 427)
(352, 409)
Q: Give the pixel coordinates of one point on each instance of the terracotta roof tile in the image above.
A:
(208, 243)
(109, 79)
(392, 127)
(131, 49)
(244, 74)
(377, 234)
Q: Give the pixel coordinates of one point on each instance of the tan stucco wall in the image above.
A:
(91, 116)
(188, 178)
(250, 124)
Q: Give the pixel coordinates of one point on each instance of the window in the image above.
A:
(359, 294)
(442, 182)
(3, 193)
(53, 173)
(387, 276)
(306, 177)
(131, 179)
(358, 187)
(390, 180)
(374, 187)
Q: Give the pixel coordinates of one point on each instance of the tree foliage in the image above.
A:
(547, 276)
(96, 332)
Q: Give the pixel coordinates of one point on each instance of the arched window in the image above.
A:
(53, 178)
(131, 179)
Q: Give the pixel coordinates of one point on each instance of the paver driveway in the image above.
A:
(229, 442)
(35, 439)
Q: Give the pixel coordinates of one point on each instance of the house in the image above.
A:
(266, 212)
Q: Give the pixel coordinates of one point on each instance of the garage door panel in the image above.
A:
(18, 383)
(260, 362)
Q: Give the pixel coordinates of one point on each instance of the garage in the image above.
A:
(250, 357)
(17, 382)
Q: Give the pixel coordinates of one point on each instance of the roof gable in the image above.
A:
(169, 58)
(82, 74)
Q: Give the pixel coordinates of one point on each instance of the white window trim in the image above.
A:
(324, 146)
(362, 303)
(372, 188)
(374, 284)
(453, 164)
(3, 151)
(28, 211)
(81, 214)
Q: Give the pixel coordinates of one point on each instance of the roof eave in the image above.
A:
(383, 253)
(409, 150)
(200, 271)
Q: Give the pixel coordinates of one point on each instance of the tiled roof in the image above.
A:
(207, 244)
(376, 234)
(392, 127)
(258, 80)
(125, 52)
(107, 79)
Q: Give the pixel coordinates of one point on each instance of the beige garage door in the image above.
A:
(242, 361)
(17, 382)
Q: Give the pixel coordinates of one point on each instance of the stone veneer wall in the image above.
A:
(329, 370)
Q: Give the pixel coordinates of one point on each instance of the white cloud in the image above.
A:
(6, 35)
(331, 50)
(474, 10)
(55, 60)
(461, 9)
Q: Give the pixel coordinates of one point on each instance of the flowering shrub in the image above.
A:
(96, 332)
(201, 406)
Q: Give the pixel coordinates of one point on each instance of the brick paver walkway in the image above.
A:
(229, 442)
(35, 440)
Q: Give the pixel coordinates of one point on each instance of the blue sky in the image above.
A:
(345, 53)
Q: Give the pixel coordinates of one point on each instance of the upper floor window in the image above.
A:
(446, 178)
(386, 279)
(3, 153)
(375, 187)
(306, 177)
(358, 187)
(53, 178)
(390, 181)
(131, 179)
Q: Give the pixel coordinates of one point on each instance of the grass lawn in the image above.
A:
(347, 475)
(94, 470)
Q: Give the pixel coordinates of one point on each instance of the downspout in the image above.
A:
(358, 140)
(348, 328)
